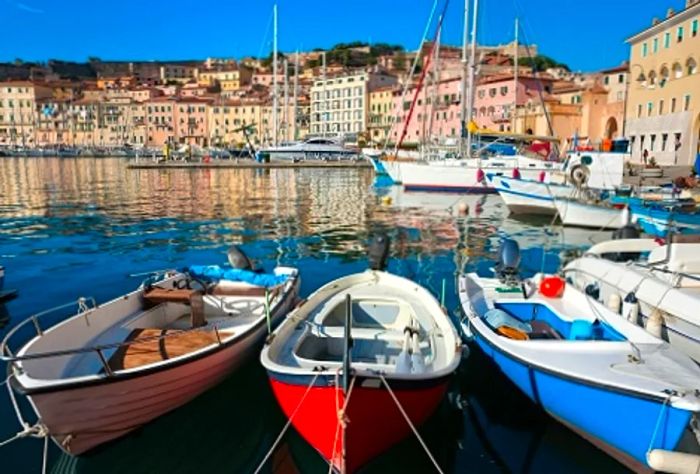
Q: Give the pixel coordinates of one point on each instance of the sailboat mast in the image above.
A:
(296, 92)
(472, 77)
(516, 58)
(285, 112)
(275, 87)
(324, 114)
(465, 73)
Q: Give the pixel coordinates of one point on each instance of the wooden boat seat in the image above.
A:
(158, 345)
(193, 298)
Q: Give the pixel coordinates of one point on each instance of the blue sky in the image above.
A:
(587, 35)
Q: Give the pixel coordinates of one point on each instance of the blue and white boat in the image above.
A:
(529, 196)
(626, 391)
(658, 219)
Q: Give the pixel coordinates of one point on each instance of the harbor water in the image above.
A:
(72, 227)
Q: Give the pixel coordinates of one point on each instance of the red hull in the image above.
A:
(374, 423)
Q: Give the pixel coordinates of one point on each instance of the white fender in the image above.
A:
(672, 461)
(614, 303)
(630, 308)
(655, 323)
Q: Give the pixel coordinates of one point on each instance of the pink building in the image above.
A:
(191, 120)
(160, 122)
(496, 96)
(436, 115)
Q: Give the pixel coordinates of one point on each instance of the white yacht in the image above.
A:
(319, 148)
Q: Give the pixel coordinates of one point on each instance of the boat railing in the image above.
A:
(10, 357)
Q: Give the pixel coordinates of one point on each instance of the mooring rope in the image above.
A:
(287, 425)
(410, 424)
(342, 419)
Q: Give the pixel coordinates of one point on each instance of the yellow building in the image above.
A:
(663, 104)
(19, 110)
(381, 114)
(229, 80)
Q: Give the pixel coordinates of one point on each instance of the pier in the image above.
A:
(247, 164)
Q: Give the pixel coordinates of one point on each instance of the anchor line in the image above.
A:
(342, 419)
(411, 425)
(287, 425)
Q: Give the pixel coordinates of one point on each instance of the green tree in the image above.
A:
(541, 63)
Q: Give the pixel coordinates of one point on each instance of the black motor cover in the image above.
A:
(378, 252)
(238, 259)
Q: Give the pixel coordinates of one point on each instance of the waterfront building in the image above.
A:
(191, 120)
(231, 78)
(160, 121)
(179, 72)
(18, 103)
(381, 114)
(339, 104)
(663, 102)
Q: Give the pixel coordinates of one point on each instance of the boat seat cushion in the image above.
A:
(581, 330)
(542, 330)
(497, 318)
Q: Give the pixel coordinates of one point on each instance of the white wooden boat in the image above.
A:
(650, 284)
(356, 343)
(578, 213)
(529, 196)
(110, 369)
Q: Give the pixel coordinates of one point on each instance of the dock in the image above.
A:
(246, 164)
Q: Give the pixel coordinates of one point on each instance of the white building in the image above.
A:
(339, 105)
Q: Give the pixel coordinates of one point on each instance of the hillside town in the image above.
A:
(362, 92)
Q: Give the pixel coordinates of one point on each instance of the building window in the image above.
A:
(644, 50)
(664, 140)
(661, 107)
(677, 71)
(620, 96)
(606, 80)
(650, 108)
(673, 105)
(667, 40)
(686, 103)
(653, 141)
(694, 28)
(655, 45)
(679, 34)
(620, 78)
(691, 66)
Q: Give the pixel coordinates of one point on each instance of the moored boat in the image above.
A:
(680, 217)
(360, 354)
(594, 215)
(528, 196)
(654, 284)
(112, 368)
(628, 392)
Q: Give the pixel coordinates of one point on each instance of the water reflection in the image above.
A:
(77, 227)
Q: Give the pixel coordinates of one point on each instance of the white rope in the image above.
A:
(410, 424)
(342, 420)
(287, 425)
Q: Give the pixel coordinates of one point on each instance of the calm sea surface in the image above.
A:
(79, 227)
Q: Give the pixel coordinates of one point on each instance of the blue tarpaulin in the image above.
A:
(216, 273)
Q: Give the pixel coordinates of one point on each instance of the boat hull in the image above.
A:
(659, 222)
(373, 421)
(623, 424)
(527, 196)
(462, 175)
(81, 417)
(591, 216)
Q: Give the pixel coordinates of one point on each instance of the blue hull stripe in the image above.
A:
(531, 196)
(622, 419)
(453, 189)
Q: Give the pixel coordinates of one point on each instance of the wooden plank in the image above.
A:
(169, 295)
(155, 348)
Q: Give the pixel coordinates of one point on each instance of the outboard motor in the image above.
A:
(628, 231)
(378, 252)
(238, 259)
(508, 262)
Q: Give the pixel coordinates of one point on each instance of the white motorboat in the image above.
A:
(625, 390)
(372, 346)
(112, 368)
(580, 213)
(528, 196)
(659, 291)
(326, 149)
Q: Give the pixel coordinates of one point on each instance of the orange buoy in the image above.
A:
(552, 286)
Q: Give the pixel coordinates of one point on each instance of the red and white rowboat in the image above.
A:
(341, 380)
